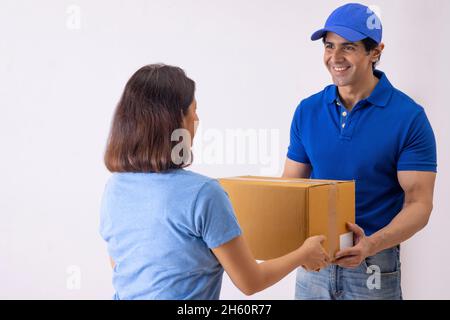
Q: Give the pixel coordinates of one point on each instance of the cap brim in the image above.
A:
(344, 32)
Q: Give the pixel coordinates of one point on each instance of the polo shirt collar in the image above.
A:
(379, 97)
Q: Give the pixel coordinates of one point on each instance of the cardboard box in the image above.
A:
(277, 214)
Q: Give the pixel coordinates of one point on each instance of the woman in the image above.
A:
(171, 232)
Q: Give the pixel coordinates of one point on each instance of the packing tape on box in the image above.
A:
(277, 180)
(332, 222)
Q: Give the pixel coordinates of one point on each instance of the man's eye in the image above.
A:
(349, 48)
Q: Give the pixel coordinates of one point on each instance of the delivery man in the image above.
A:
(362, 128)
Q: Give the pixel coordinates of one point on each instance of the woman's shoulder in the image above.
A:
(193, 176)
(175, 176)
(182, 182)
(200, 182)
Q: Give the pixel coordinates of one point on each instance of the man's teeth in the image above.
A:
(340, 69)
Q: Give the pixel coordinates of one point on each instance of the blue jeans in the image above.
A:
(377, 278)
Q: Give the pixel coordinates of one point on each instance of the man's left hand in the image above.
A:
(354, 256)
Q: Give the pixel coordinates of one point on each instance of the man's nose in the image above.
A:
(337, 56)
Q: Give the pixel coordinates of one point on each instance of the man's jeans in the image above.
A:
(378, 277)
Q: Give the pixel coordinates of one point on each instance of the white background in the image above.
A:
(252, 62)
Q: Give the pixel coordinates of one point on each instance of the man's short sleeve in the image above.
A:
(296, 150)
(214, 217)
(419, 150)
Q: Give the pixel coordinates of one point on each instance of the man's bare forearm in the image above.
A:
(411, 219)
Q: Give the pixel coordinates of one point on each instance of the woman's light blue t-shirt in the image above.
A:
(159, 228)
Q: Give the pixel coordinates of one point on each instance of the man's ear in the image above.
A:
(376, 54)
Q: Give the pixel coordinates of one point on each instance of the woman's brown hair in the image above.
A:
(151, 107)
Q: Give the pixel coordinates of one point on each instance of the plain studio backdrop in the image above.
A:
(64, 64)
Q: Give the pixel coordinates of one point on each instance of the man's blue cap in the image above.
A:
(353, 22)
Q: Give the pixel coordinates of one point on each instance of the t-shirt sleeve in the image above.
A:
(296, 149)
(214, 217)
(105, 225)
(419, 150)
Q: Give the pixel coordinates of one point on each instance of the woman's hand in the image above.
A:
(314, 257)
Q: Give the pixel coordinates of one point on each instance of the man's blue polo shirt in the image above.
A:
(383, 134)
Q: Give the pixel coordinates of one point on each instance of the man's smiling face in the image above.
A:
(348, 62)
